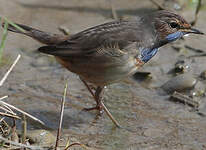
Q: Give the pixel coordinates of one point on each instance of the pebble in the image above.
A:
(179, 83)
(141, 76)
(43, 62)
(181, 67)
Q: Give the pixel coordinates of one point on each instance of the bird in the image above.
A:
(109, 52)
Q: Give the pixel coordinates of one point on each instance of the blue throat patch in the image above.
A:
(174, 36)
(147, 54)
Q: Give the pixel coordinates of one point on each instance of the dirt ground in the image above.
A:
(154, 122)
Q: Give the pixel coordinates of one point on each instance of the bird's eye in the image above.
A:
(174, 25)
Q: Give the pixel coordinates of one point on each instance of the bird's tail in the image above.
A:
(41, 36)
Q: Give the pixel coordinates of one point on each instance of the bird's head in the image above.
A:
(170, 26)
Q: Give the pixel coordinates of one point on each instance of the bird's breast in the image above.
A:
(101, 71)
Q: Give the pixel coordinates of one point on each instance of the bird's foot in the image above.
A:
(98, 107)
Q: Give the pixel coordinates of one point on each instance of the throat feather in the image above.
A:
(147, 54)
(174, 36)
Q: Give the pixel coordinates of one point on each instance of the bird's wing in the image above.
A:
(121, 33)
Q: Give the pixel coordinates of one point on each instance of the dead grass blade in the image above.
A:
(10, 69)
(9, 115)
(1, 98)
(3, 40)
(79, 144)
(13, 24)
(21, 111)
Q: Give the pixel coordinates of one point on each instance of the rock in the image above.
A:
(179, 83)
(203, 75)
(172, 5)
(41, 137)
(185, 99)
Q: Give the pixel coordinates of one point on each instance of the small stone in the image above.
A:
(14, 137)
(179, 83)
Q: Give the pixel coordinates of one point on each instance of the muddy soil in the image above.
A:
(154, 122)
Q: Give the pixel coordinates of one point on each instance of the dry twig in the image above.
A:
(61, 116)
(114, 12)
(24, 131)
(196, 12)
(160, 7)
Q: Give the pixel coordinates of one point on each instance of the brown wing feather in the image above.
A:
(122, 33)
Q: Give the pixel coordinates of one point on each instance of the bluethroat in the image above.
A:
(109, 52)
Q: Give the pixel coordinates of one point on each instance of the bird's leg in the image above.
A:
(87, 86)
(97, 97)
(100, 105)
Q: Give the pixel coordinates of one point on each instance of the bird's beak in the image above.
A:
(192, 30)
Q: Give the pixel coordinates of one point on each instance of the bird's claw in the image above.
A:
(98, 107)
